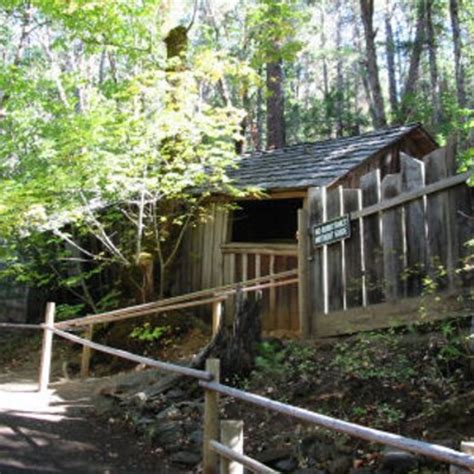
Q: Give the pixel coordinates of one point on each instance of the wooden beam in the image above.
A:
(211, 420)
(47, 348)
(411, 196)
(148, 308)
(438, 306)
(232, 437)
(262, 249)
(86, 353)
(303, 274)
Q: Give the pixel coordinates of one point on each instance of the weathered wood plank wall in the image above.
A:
(206, 262)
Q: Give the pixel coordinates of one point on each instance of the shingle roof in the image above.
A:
(312, 164)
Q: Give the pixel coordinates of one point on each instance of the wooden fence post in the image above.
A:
(232, 436)
(211, 420)
(47, 348)
(216, 316)
(303, 273)
(468, 448)
(86, 353)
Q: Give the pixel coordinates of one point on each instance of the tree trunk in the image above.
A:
(414, 67)
(432, 53)
(237, 349)
(367, 13)
(339, 76)
(258, 136)
(458, 66)
(275, 106)
(390, 48)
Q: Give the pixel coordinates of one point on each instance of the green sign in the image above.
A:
(332, 231)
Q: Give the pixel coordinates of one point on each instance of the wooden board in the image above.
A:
(334, 254)
(317, 269)
(413, 177)
(372, 239)
(437, 216)
(352, 252)
(392, 238)
(385, 315)
(303, 273)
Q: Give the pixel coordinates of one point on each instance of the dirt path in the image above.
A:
(64, 435)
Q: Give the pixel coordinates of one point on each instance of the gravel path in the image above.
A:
(59, 432)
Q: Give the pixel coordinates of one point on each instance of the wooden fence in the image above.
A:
(223, 440)
(408, 235)
(243, 261)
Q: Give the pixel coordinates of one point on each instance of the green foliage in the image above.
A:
(68, 311)
(373, 355)
(107, 151)
(273, 26)
(276, 359)
(148, 333)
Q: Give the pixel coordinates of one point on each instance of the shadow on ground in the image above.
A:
(59, 432)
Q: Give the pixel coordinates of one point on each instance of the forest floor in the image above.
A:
(414, 381)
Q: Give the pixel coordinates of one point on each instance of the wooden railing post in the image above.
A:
(303, 274)
(468, 448)
(86, 353)
(211, 420)
(216, 316)
(232, 436)
(47, 348)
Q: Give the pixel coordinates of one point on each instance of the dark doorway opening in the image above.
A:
(270, 221)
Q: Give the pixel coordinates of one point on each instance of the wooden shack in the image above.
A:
(304, 185)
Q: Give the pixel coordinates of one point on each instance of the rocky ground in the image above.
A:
(417, 382)
(414, 382)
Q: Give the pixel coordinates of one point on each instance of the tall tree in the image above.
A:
(437, 115)
(409, 88)
(457, 47)
(276, 135)
(367, 14)
(273, 26)
(390, 52)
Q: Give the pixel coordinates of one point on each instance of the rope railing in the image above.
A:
(433, 451)
(213, 449)
(20, 326)
(177, 302)
(165, 366)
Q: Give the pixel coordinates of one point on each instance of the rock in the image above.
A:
(186, 458)
(196, 437)
(170, 413)
(286, 465)
(139, 399)
(398, 462)
(271, 456)
(314, 448)
(340, 465)
(175, 394)
(309, 470)
(167, 433)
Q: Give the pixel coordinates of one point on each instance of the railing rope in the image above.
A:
(209, 380)
(20, 326)
(165, 366)
(434, 451)
(177, 302)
